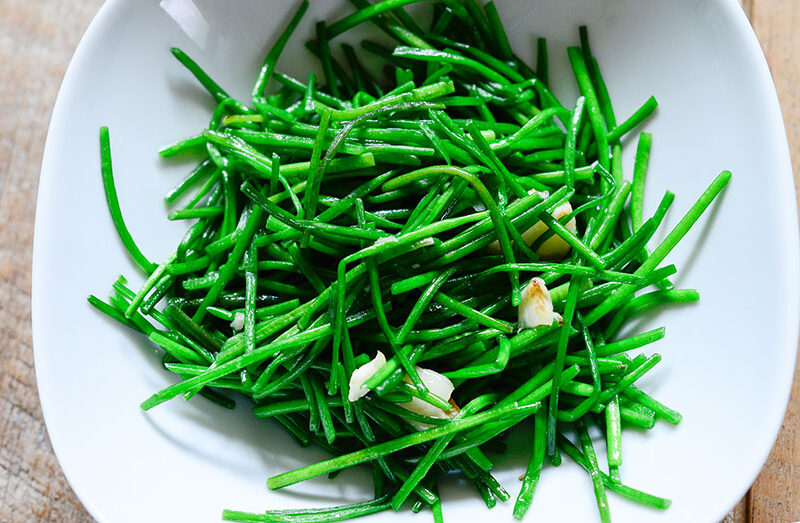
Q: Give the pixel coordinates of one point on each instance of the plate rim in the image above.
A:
(789, 208)
(82, 53)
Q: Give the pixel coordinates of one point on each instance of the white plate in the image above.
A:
(727, 361)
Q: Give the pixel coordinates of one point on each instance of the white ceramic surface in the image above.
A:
(727, 361)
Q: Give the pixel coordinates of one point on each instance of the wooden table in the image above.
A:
(37, 40)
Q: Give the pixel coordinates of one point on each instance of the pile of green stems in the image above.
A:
(351, 212)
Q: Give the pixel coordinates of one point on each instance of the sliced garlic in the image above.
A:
(362, 374)
(437, 384)
(553, 248)
(536, 307)
(238, 321)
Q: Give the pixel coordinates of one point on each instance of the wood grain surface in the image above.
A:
(37, 39)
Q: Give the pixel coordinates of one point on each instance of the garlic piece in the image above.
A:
(555, 247)
(238, 321)
(437, 384)
(362, 374)
(536, 307)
